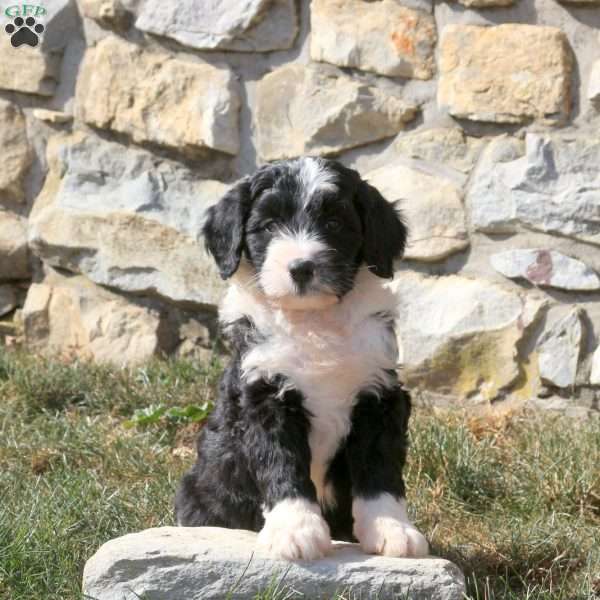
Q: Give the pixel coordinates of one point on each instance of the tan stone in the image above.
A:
(14, 149)
(320, 110)
(156, 98)
(52, 116)
(14, 255)
(125, 220)
(384, 37)
(73, 316)
(137, 247)
(431, 206)
(447, 146)
(506, 73)
(28, 69)
(458, 337)
(196, 341)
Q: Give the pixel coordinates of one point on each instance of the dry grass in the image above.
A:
(514, 499)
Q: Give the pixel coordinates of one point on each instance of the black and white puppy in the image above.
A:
(308, 438)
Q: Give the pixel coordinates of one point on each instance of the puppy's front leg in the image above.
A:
(277, 442)
(376, 454)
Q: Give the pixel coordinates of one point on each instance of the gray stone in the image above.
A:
(458, 337)
(593, 91)
(384, 37)
(14, 253)
(239, 25)
(61, 23)
(546, 268)
(199, 113)
(8, 299)
(125, 220)
(207, 563)
(595, 372)
(486, 212)
(325, 112)
(558, 350)
(432, 207)
(16, 155)
(553, 188)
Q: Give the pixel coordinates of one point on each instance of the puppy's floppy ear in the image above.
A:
(383, 229)
(223, 228)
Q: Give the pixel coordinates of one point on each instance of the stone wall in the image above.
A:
(481, 116)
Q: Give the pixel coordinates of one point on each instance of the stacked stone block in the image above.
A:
(481, 117)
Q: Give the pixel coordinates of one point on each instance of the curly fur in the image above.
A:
(308, 437)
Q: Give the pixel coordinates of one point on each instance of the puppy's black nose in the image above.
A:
(302, 270)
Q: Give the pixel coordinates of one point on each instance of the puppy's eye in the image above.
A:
(333, 225)
(270, 226)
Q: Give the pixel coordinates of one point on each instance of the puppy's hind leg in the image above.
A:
(189, 507)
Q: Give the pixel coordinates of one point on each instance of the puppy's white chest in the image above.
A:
(330, 424)
(329, 355)
(329, 363)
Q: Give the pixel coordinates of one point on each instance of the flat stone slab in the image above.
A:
(546, 267)
(187, 563)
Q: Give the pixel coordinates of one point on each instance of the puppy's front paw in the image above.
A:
(295, 530)
(382, 527)
(391, 537)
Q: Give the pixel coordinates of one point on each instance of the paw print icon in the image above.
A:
(24, 31)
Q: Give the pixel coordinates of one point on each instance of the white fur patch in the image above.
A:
(382, 526)
(314, 175)
(275, 278)
(329, 355)
(295, 530)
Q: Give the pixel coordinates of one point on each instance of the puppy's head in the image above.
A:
(306, 226)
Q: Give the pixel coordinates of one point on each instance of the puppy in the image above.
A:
(308, 438)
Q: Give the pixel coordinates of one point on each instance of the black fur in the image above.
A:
(254, 450)
(384, 231)
(224, 228)
(370, 229)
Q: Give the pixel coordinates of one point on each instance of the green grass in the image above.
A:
(514, 500)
